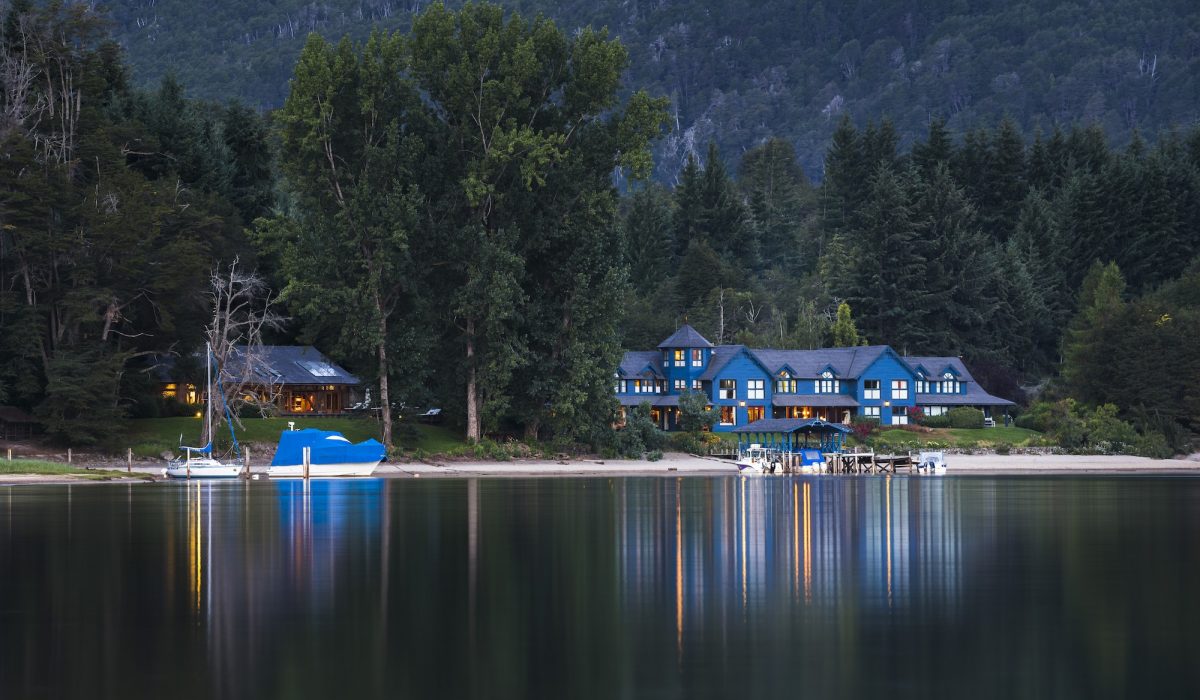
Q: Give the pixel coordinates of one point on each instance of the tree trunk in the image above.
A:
(385, 412)
(473, 427)
(531, 428)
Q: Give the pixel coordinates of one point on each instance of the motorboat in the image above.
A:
(757, 459)
(329, 454)
(931, 463)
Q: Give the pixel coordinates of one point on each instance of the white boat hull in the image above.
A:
(203, 471)
(322, 470)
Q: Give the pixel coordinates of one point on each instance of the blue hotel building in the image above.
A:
(835, 384)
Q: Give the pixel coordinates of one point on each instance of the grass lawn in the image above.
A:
(958, 437)
(149, 437)
(34, 466)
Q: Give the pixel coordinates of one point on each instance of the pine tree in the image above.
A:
(648, 239)
(938, 147)
(779, 195)
(845, 332)
(1087, 366)
(689, 215)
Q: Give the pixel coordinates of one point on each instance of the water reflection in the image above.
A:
(596, 588)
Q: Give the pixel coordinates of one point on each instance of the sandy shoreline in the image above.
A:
(676, 464)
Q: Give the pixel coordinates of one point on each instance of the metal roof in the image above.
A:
(283, 364)
(792, 425)
(820, 400)
(685, 337)
(632, 363)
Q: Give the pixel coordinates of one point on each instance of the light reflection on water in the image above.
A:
(685, 587)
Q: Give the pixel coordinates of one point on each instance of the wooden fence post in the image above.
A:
(306, 456)
(129, 460)
(246, 457)
(68, 455)
(10, 454)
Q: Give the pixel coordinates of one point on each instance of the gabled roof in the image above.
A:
(935, 367)
(723, 354)
(846, 363)
(298, 364)
(634, 364)
(685, 337)
(284, 364)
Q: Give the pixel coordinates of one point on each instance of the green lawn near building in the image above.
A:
(35, 466)
(150, 437)
(955, 437)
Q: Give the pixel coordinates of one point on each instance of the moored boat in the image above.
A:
(330, 454)
(203, 466)
(756, 459)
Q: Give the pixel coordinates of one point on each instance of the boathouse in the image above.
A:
(745, 385)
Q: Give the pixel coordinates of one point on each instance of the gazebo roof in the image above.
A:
(792, 425)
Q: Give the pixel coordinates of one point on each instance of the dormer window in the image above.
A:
(679, 358)
(950, 386)
(827, 384)
(785, 386)
(922, 386)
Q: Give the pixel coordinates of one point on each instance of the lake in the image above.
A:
(689, 587)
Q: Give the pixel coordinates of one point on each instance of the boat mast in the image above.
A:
(208, 431)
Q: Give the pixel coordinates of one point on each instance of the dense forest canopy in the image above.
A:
(741, 72)
(445, 194)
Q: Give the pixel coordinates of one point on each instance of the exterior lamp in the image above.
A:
(887, 403)
(742, 404)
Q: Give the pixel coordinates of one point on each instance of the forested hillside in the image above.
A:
(740, 72)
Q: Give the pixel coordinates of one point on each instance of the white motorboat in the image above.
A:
(933, 463)
(329, 454)
(756, 459)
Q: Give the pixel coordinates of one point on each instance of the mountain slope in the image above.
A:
(740, 71)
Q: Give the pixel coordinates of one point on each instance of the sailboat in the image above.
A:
(198, 462)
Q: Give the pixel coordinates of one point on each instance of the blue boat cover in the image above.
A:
(328, 447)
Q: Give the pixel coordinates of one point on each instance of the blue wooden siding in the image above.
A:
(742, 368)
(886, 369)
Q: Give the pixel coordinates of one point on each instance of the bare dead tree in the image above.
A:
(242, 306)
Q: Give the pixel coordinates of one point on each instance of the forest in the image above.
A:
(466, 211)
(740, 72)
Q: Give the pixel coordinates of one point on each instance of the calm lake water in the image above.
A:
(603, 588)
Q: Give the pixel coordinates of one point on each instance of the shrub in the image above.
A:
(654, 455)
(864, 428)
(964, 417)
(942, 421)
(1003, 448)
(688, 442)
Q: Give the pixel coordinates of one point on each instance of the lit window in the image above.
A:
(871, 412)
(727, 389)
(679, 361)
(697, 385)
(680, 385)
(828, 386)
(785, 386)
(899, 389)
(870, 388)
(728, 415)
(697, 358)
(753, 413)
(754, 388)
(950, 386)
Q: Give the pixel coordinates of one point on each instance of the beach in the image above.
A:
(678, 464)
